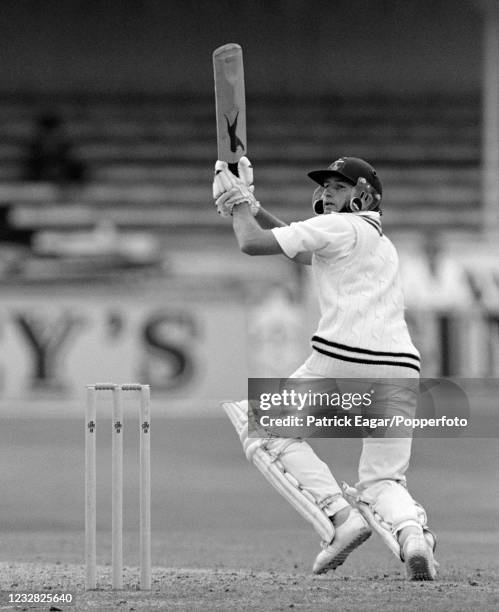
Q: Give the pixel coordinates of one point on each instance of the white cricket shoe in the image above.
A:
(418, 558)
(347, 537)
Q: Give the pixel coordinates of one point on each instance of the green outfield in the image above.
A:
(222, 538)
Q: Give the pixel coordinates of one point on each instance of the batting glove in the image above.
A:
(235, 196)
(245, 171)
(224, 182)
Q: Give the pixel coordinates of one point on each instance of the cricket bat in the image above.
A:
(230, 103)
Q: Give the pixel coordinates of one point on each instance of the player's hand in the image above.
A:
(245, 171)
(224, 179)
(224, 182)
(364, 196)
(239, 194)
(221, 182)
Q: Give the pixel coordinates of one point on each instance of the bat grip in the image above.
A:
(233, 168)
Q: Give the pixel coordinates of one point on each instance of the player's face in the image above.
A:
(336, 195)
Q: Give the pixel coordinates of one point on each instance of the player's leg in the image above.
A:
(297, 473)
(382, 496)
(312, 471)
(293, 469)
(350, 527)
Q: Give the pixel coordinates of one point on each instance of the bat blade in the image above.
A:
(230, 103)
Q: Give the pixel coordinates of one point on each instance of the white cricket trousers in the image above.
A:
(383, 461)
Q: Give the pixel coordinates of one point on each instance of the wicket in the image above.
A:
(117, 484)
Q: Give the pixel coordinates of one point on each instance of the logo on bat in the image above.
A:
(235, 141)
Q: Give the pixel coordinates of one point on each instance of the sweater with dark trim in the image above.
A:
(356, 273)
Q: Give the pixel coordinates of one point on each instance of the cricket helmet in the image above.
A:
(350, 169)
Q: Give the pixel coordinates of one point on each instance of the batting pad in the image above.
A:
(374, 519)
(383, 528)
(267, 462)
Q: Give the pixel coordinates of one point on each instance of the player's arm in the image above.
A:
(251, 237)
(267, 220)
(255, 240)
(253, 230)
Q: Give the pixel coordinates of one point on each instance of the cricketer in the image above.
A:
(361, 333)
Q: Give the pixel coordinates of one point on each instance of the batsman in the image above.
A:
(361, 334)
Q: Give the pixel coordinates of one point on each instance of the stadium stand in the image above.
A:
(149, 160)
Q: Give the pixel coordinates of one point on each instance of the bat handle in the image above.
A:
(233, 168)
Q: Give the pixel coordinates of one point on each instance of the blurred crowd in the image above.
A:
(446, 289)
(51, 155)
(442, 279)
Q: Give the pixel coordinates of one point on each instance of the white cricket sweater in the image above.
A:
(360, 296)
